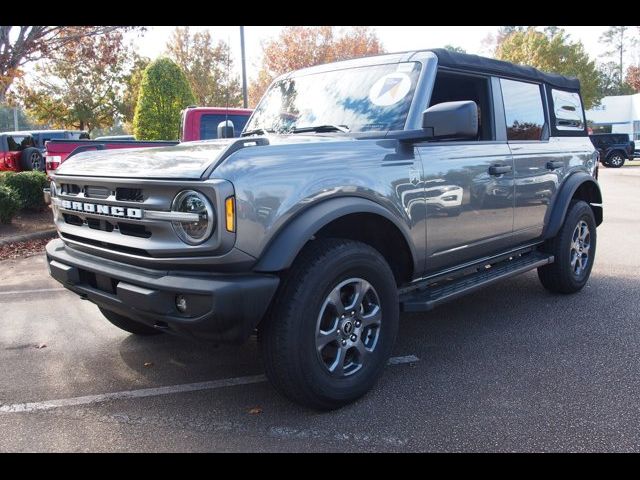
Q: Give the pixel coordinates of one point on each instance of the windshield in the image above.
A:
(362, 99)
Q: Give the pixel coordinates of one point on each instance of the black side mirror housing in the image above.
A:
(443, 121)
(226, 129)
(452, 120)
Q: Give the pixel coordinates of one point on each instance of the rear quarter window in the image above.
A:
(567, 109)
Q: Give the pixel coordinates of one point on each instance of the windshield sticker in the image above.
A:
(390, 89)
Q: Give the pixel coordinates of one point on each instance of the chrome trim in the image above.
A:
(170, 216)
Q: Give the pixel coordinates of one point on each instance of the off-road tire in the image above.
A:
(559, 276)
(289, 334)
(615, 160)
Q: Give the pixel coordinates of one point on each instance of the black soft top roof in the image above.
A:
(465, 61)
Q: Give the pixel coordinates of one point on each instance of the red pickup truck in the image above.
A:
(198, 123)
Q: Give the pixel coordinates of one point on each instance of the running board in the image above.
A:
(435, 294)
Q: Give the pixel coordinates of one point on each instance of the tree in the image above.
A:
(207, 67)
(633, 78)
(609, 80)
(132, 90)
(6, 120)
(80, 85)
(557, 55)
(20, 45)
(164, 93)
(619, 39)
(300, 47)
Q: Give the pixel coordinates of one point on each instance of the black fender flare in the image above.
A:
(567, 190)
(284, 247)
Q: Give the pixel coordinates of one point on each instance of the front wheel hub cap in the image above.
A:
(348, 327)
(580, 246)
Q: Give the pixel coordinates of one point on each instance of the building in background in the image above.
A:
(617, 114)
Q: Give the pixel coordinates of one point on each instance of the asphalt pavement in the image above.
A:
(510, 368)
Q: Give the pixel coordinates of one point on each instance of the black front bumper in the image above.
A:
(223, 308)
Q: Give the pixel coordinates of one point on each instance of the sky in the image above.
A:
(393, 39)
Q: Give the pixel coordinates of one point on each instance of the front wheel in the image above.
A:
(31, 160)
(331, 329)
(615, 160)
(574, 249)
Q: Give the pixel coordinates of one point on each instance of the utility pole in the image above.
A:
(15, 119)
(244, 69)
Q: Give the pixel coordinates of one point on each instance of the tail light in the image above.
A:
(52, 162)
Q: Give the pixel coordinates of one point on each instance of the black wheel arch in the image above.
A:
(284, 247)
(580, 186)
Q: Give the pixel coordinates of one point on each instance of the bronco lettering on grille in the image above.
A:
(102, 209)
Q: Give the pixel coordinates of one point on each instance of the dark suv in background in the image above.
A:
(614, 148)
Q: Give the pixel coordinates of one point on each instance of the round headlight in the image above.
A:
(193, 232)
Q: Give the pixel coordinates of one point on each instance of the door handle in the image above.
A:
(499, 169)
(552, 165)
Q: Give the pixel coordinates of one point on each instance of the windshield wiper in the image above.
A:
(257, 131)
(322, 128)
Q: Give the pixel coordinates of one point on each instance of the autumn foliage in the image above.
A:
(633, 77)
(300, 47)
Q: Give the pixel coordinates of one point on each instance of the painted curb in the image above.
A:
(28, 236)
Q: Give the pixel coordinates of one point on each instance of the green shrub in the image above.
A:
(164, 93)
(4, 176)
(28, 186)
(9, 204)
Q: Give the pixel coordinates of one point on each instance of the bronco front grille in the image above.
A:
(129, 194)
(133, 217)
(107, 245)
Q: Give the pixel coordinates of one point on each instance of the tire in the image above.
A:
(615, 160)
(562, 276)
(31, 159)
(307, 305)
(127, 324)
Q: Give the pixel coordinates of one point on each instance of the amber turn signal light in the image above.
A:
(230, 211)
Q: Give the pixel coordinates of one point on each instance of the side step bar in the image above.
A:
(435, 294)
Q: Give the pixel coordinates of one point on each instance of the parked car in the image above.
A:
(19, 153)
(198, 123)
(40, 137)
(614, 148)
(313, 228)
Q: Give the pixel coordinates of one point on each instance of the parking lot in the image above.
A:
(511, 368)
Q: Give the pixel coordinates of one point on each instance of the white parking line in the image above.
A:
(153, 392)
(38, 290)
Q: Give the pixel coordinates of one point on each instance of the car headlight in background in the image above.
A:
(197, 231)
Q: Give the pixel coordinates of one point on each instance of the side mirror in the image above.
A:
(451, 120)
(226, 130)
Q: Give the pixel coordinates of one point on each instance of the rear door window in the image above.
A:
(524, 113)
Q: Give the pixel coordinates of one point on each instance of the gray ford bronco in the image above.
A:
(358, 190)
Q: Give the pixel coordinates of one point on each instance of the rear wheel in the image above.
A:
(574, 249)
(127, 324)
(330, 332)
(615, 160)
(31, 159)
